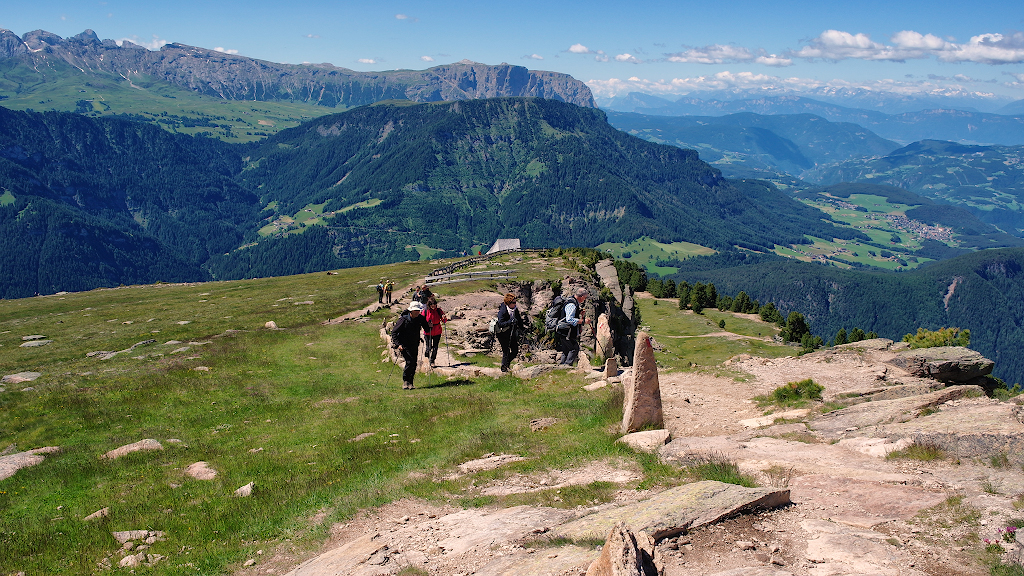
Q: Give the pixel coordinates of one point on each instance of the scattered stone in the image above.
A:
(126, 536)
(488, 462)
(11, 463)
(642, 404)
(255, 450)
(362, 436)
(646, 441)
(202, 368)
(101, 513)
(538, 424)
(182, 349)
(676, 510)
(305, 302)
(33, 337)
(35, 343)
(130, 561)
(29, 389)
(20, 377)
(201, 471)
(611, 367)
(596, 385)
(147, 444)
(183, 322)
(245, 491)
(252, 561)
(528, 372)
(271, 325)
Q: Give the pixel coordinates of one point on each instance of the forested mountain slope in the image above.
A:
(96, 202)
(981, 291)
(451, 175)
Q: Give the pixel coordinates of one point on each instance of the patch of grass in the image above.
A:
(1001, 460)
(923, 451)
(792, 395)
(1018, 502)
(988, 487)
(280, 408)
(566, 497)
(805, 437)
(716, 466)
(543, 542)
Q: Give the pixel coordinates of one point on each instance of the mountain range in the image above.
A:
(39, 54)
(940, 123)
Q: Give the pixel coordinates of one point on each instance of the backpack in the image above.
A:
(493, 327)
(555, 313)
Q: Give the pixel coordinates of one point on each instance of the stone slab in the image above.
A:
(553, 562)
(11, 463)
(20, 377)
(646, 441)
(677, 510)
(771, 418)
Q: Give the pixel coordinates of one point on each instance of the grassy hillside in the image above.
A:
(278, 408)
(64, 88)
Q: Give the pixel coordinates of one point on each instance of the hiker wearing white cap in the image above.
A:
(405, 336)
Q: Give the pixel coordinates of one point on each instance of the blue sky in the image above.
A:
(663, 47)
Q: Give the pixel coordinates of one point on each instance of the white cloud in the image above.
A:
(772, 84)
(155, 44)
(533, 57)
(579, 49)
(312, 36)
(907, 44)
(226, 50)
(406, 17)
(627, 58)
(426, 58)
(601, 57)
(366, 61)
(727, 54)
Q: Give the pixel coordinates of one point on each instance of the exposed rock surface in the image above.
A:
(646, 441)
(677, 510)
(201, 471)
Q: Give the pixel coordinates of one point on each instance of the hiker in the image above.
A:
(422, 295)
(507, 330)
(405, 336)
(387, 290)
(380, 292)
(568, 331)
(436, 317)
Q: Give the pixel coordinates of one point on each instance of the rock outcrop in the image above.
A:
(235, 77)
(944, 363)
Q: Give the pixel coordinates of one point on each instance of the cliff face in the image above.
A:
(234, 77)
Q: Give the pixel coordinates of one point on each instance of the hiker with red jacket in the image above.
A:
(436, 317)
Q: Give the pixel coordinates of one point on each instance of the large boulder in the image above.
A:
(642, 404)
(945, 363)
(625, 554)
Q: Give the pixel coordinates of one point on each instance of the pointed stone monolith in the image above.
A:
(642, 404)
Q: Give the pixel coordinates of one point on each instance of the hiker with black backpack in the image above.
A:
(567, 330)
(405, 336)
(507, 330)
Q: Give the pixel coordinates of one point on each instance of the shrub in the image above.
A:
(793, 394)
(942, 337)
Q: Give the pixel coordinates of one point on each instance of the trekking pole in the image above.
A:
(447, 349)
(391, 373)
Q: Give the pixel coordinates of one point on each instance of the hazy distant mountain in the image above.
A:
(234, 77)
(791, 143)
(904, 127)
